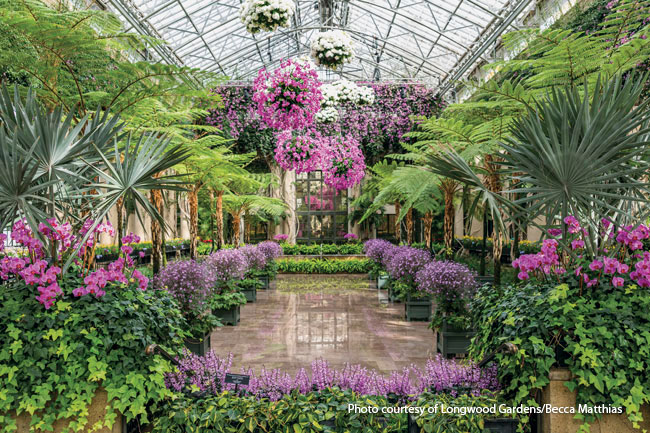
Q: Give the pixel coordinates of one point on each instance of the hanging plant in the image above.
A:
(266, 15)
(346, 92)
(288, 97)
(332, 49)
(342, 162)
(327, 115)
(300, 153)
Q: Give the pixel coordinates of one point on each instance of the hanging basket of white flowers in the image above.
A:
(332, 49)
(327, 115)
(266, 15)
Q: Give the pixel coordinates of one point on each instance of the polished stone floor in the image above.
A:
(342, 319)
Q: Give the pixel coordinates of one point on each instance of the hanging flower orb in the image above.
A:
(346, 92)
(332, 49)
(342, 162)
(288, 97)
(301, 153)
(327, 115)
(365, 95)
(266, 15)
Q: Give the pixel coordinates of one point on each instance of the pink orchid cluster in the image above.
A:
(300, 153)
(342, 162)
(627, 263)
(33, 270)
(288, 97)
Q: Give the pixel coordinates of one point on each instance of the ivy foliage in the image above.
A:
(603, 339)
(53, 361)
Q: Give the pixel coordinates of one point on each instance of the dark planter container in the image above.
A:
(412, 425)
(417, 309)
(501, 425)
(382, 281)
(392, 296)
(453, 341)
(228, 317)
(250, 293)
(265, 280)
(199, 347)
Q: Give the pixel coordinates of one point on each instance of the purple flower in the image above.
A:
(377, 249)
(225, 265)
(255, 258)
(446, 278)
(271, 250)
(187, 281)
(406, 262)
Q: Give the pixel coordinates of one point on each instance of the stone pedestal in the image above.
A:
(558, 395)
(96, 413)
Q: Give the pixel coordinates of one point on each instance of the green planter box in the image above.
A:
(417, 309)
(228, 317)
(250, 293)
(453, 341)
(392, 296)
(198, 347)
(265, 280)
(382, 282)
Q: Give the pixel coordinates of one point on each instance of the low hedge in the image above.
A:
(322, 249)
(321, 266)
(323, 411)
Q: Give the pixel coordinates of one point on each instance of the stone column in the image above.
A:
(169, 214)
(287, 193)
(142, 229)
(184, 209)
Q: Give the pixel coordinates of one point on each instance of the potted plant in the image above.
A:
(226, 304)
(256, 263)
(376, 249)
(249, 287)
(188, 283)
(452, 286)
(271, 251)
(403, 265)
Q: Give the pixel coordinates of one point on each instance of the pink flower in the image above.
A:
(617, 282)
(578, 243)
(523, 275)
(596, 265)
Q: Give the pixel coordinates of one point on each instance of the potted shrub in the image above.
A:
(402, 266)
(187, 281)
(225, 305)
(80, 333)
(271, 251)
(376, 249)
(256, 264)
(249, 287)
(452, 286)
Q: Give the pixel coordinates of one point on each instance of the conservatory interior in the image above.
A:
(302, 216)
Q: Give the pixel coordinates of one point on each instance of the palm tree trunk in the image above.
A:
(427, 221)
(193, 198)
(409, 226)
(398, 224)
(494, 185)
(219, 219)
(236, 219)
(448, 189)
(119, 208)
(156, 232)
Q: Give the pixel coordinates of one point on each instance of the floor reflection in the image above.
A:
(340, 318)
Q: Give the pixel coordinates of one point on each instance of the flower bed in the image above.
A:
(320, 266)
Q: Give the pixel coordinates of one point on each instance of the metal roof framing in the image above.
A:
(432, 41)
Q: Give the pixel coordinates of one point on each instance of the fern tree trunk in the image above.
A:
(448, 190)
(427, 221)
(398, 224)
(218, 218)
(236, 220)
(409, 226)
(247, 230)
(156, 232)
(493, 181)
(193, 198)
(119, 208)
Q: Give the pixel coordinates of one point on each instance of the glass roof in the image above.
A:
(435, 42)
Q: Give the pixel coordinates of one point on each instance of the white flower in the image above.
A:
(266, 15)
(332, 48)
(327, 115)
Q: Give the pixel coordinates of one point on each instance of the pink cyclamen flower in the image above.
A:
(617, 282)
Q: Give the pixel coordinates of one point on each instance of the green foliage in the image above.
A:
(294, 413)
(226, 300)
(321, 266)
(52, 362)
(318, 249)
(603, 339)
(250, 283)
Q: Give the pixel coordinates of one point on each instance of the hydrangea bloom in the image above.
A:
(288, 97)
(266, 15)
(438, 375)
(332, 49)
(342, 162)
(300, 153)
(225, 265)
